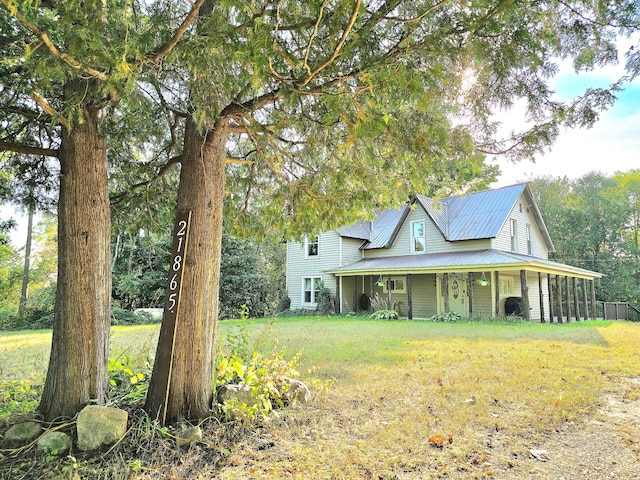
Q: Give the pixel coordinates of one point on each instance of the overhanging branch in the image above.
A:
(27, 150)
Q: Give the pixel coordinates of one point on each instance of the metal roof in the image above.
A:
(470, 260)
(475, 216)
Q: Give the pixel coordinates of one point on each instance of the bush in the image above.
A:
(9, 319)
(384, 315)
(120, 316)
(39, 311)
(284, 304)
(325, 302)
(446, 317)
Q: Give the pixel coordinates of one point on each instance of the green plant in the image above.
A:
(325, 302)
(19, 396)
(283, 304)
(126, 384)
(380, 303)
(446, 317)
(384, 315)
(120, 316)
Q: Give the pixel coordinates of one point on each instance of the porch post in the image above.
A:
(355, 294)
(568, 298)
(585, 306)
(594, 311)
(496, 292)
(470, 292)
(541, 297)
(339, 293)
(445, 291)
(409, 299)
(389, 292)
(371, 292)
(559, 299)
(576, 298)
(550, 289)
(524, 291)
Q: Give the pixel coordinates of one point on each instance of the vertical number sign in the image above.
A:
(165, 353)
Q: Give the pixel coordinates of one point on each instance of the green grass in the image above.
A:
(382, 389)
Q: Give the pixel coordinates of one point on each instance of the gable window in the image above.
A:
(311, 247)
(310, 290)
(514, 235)
(529, 242)
(418, 241)
(397, 284)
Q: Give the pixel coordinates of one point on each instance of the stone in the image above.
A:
(22, 433)
(241, 393)
(188, 436)
(297, 392)
(54, 442)
(98, 426)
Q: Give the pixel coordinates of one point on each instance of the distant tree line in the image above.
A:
(594, 223)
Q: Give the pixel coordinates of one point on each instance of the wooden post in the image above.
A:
(524, 291)
(470, 292)
(559, 299)
(339, 293)
(567, 296)
(585, 306)
(389, 292)
(550, 289)
(165, 355)
(445, 291)
(594, 310)
(496, 291)
(541, 297)
(371, 289)
(576, 298)
(409, 299)
(355, 293)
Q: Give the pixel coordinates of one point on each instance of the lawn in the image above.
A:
(385, 393)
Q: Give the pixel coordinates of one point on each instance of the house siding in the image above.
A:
(521, 213)
(299, 266)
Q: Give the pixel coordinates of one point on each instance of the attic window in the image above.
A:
(418, 241)
(311, 247)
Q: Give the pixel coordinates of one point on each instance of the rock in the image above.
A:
(188, 436)
(98, 426)
(54, 442)
(22, 433)
(241, 393)
(297, 392)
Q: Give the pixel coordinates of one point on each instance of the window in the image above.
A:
(506, 286)
(418, 242)
(529, 243)
(311, 247)
(514, 235)
(310, 290)
(398, 285)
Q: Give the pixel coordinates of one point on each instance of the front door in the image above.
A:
(458, 294)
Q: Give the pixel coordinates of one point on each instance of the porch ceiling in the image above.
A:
(464, 261)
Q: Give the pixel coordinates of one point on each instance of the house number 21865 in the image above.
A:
(180, 240)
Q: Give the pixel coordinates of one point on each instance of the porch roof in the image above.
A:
(462, 261)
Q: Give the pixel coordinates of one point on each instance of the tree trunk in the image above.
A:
(189, 376)
(79, 353)
(27, 262)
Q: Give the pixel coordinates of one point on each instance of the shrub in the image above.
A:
(284, 304)
(379, 303)
(9, 319)
(120, 316)
(384, 315)
(325, 302)
(446, 317)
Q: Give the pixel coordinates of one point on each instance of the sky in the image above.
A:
(611, 145)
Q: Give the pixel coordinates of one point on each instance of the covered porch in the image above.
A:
(485, 283)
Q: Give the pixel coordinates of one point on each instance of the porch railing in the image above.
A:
(618, 311)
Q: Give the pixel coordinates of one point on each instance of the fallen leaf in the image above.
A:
(539, 455)
(436, 440)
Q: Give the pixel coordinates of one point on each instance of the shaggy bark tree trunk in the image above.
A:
(184, 388)
(77, 369)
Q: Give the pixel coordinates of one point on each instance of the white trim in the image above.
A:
(313, 302)
(397, 281)
(423, 237)
(306, 248)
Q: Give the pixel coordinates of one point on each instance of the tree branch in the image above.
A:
(170, 45)
(13, 11)
(27, 150)
(161, 173)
